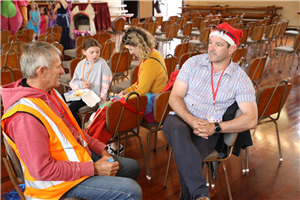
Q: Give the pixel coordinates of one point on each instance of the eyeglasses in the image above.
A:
(221, 30)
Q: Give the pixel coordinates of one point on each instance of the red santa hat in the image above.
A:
(227, 32)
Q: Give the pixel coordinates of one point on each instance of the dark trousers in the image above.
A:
(74, 107)
(189, 150)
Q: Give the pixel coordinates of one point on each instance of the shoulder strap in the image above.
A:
(160, 63)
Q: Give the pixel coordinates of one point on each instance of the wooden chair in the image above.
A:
(102, 37)
(77, 54)
(184, 57)
(4, 36)
(171, 33)
(256, 37)
(256, 69)
(118, 87)
(182, 48)
(9, 75)
(171, 62)
(159, 20)
(27, 31)
(127, 123)
(59, 46)
(203, 25)
(281, 32)
(16, 45)
(119, 63)
(21, 36)
(11, 59)
(163, 27)
(152, 27)
(238, 26)
(229, 140)
(180, 23)
(135, 21)
(291, 51)
(107, 49)
(203, 39)
(239, 55)
(268, 37)
(119, 28)
(14, 168)
(291, 33)
(55, 29)
(196, 23)
(50, 38)
(66, 78)
(186, 32)
(161, 109)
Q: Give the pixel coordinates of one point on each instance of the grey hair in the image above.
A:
(35, 55)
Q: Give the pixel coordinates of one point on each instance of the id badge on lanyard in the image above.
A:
(215, 116)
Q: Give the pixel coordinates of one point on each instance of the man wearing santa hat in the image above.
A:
(206, 86)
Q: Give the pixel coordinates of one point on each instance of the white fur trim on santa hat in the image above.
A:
(222, 35)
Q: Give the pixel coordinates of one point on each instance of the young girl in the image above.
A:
(44, 20)
(34, 19)
(91, 73)
(51, 14)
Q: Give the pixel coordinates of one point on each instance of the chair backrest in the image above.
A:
(186, 56)
(171, 62)
(197, 21)
(14, 45)
(9, 75)
(275, 20)
(296, 44)
(107, 49)
(119, 25)
(270, 31)
(179, 21)
(182, 48)
(73, 65)
(271, 99)
(187, 29)
(204, 35)
(161, 107)
(257, 33)
(59, 46)
(135, 21)
(81, 39)
(277, 29)
(14, 168)
(173, 19)
(283, 27)
(164, 25)
(55, 29)
(102, 37)
(27, 31)
(152, 26)
(246, 32)
(148, 19)
(21, 36)
(50, 38)
(127, 119)
(203, 25)
(251, 26)
(172, 31)
(238, 25)
(159, 20)
(194, 15)
(230, 138)
(11, 59)
(239, 54)
(4, 36)
(257, 67)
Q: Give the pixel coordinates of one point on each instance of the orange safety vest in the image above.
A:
(62, 147)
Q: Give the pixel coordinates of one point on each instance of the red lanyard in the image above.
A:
(212, 84)
(88, 72)
(137, 80)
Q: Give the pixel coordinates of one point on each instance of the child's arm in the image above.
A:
(30, 18)
(38, 21)
(76, 82)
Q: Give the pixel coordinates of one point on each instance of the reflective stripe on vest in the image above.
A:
(62, 146)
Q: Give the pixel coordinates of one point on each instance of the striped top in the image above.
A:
(235, 85)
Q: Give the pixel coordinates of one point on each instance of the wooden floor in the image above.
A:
(267, 179)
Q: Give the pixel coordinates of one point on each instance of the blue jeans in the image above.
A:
(121, 186)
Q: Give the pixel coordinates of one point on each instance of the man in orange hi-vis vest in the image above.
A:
(58, 158)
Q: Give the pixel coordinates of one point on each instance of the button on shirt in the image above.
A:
(235, 85)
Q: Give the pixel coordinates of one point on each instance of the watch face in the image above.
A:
(218, 129)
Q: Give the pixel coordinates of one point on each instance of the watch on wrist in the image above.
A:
(218, 128)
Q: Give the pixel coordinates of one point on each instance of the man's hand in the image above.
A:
(204, 129)
(104, 168)
(86, 84)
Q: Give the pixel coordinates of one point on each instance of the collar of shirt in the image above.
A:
(230, 69)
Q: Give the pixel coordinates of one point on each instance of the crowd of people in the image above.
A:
(61, 160)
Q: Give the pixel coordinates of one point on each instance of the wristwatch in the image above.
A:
(218, 128)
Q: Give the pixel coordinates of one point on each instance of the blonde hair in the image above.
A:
(36, 5)
(139, 37)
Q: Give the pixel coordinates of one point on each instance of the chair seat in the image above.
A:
(195, 33)
(118, 87)
(163, 38)
(114, 32)
(291, 32)
(181, 36)
(66, 64)
(65, 78)
(212, 155)
(86, 109)
(285, 49)
(134, 64)
(195, 42)
(250, 41)
(158, 32)
(145, 124)
(70, 52)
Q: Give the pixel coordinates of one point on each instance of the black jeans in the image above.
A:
(189, 150)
